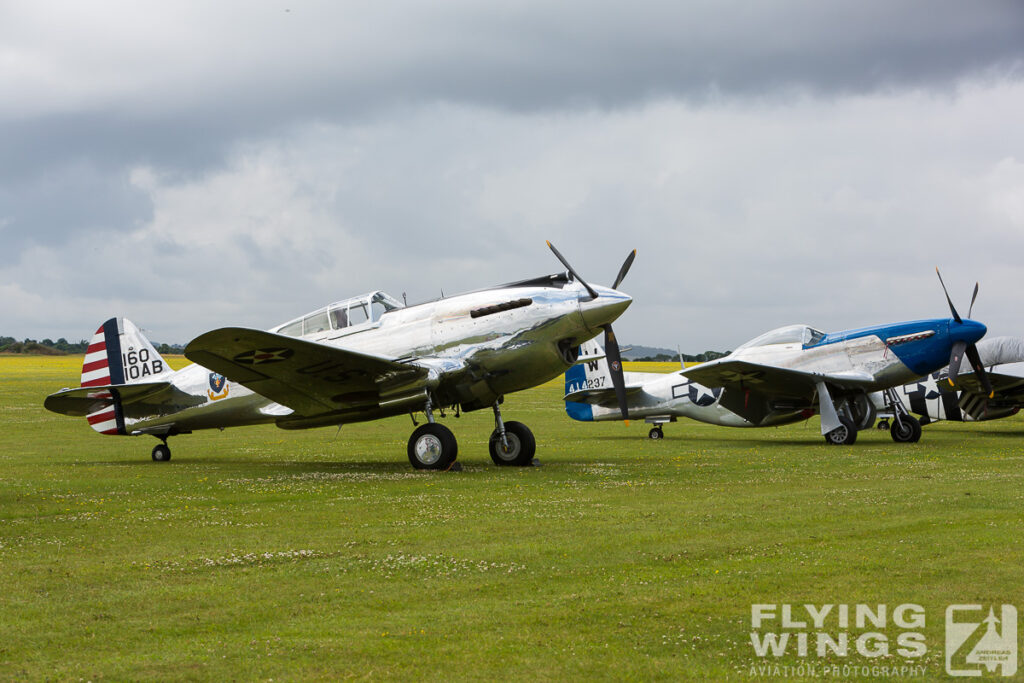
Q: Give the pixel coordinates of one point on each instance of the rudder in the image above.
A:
(118, 354)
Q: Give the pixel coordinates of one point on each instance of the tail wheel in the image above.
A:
(908, 432)
(432, 447)
(521, 445)
(843, 435)
(656, 434)
(161, 452)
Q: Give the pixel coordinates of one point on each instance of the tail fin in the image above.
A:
(118, 354)
(590, 372)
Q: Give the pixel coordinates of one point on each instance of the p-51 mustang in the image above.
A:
(785, 376)
(361, 359)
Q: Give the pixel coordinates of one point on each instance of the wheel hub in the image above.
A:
(512, 451)
(428, 449)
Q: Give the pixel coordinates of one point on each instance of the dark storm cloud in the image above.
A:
(179, 89)
(250, 154)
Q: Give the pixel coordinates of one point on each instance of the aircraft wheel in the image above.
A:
(432, 447)
(521, 445)
(883, 425)
(656, 434)
(843, 435)
(161, 452)
(910, 433)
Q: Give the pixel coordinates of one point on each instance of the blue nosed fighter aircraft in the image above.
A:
(787, 375)
(360, 359)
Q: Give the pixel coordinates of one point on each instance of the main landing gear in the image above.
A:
(905, 428)
(511, 443)
(432, 446)
(843, 435)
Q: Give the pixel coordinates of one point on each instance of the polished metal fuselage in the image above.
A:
(472, 360)
(874, 359)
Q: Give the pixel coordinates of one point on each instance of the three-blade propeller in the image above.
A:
(611, 345)
(961, 347)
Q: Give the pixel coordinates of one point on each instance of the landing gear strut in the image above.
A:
(512, 443)
(432, 446)
(905, 427)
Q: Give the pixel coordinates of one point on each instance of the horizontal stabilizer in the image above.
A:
(143, 399)
(601, 397)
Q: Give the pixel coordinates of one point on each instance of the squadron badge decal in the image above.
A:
(218, 386)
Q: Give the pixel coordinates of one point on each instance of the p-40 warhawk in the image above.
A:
(361, 359)
(787, 375)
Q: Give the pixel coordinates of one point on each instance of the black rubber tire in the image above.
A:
(432, 446)
(161, 452)
(656, 434)
(522, 446)
(883, 425)
(911, 432)
(845, 435)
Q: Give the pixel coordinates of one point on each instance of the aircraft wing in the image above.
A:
(770, 379)
(308, 377)
(974, 401)
(137, 400)
(1005, 386)
(754, 391)
(601, 397)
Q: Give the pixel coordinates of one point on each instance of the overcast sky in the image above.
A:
(195, 165)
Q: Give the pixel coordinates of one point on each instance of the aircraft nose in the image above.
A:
(606, 308)
(969, 331)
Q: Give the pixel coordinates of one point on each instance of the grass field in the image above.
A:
(263, 554)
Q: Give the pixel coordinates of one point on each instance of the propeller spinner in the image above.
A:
(611, 345)
(960, 348)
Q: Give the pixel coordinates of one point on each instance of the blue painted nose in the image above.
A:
(969, 331)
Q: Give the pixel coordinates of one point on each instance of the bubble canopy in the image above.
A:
(791, 334)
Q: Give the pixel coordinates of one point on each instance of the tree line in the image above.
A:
(62, 346)
(698, 358)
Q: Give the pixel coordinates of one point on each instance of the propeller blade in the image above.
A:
(624, 269)
(954, 361)
(590, 290)
(611, 352)
(973, 297)
(952, 309)
(979, 370)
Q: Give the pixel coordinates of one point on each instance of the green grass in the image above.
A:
(258, 553)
